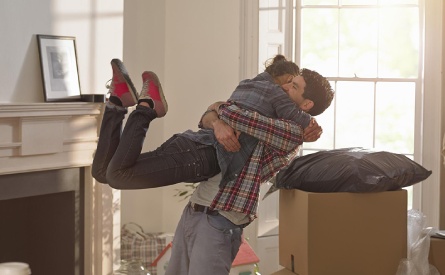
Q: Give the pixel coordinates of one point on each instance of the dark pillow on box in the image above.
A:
(351, 170)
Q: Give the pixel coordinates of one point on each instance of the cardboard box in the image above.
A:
(342, 233)
(437, 254)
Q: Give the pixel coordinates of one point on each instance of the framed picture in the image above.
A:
(58, 61)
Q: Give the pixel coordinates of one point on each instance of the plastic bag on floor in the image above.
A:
(137, 245)
(418, 247)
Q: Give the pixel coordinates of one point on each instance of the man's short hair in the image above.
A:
(318, 89)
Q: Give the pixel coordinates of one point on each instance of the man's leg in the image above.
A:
(203, 244)
(179, 260)
(216, 244)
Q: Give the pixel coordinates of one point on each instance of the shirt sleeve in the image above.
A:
(200, 124)
(280, 134)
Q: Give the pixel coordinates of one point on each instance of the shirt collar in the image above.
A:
(264, 76)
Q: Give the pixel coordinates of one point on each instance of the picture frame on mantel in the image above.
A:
(58, 62)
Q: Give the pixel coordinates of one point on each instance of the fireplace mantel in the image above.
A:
(47, 136)
(48, 109)
(42, 136)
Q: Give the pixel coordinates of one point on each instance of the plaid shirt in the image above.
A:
(265, 143)
(279, 143)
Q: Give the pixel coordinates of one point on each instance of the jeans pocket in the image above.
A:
(221, 224)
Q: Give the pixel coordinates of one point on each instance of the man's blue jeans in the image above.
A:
(119, 162)
(204, 244)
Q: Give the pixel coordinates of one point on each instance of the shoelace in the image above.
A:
(108, 84)
(145, 89)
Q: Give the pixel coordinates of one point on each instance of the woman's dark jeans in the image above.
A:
(119, 162)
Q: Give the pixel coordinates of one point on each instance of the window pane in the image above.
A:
(319, 40)
(319, 2)
(403, 2)
(271, 30)
(270, 25)
(359, 2)
(270, 3)
(399, 42)
(358, 42)
(395, 105)
(354, 115)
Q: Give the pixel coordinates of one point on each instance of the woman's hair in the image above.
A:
(279, 66)
(318, 89)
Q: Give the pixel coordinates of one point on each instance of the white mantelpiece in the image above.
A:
(47, 136)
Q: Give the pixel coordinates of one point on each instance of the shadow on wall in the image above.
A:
(21, 76)
(21, 72)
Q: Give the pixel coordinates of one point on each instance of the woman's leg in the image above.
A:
(109, 136)
(122, 94)
(177, 160)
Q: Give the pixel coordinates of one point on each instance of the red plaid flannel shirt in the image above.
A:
(279, 143)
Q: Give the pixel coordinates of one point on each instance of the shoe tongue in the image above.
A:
(120, 88)
(153, 91)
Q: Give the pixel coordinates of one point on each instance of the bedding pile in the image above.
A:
(350, 170)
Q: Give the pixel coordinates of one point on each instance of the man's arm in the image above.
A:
(226, 135)
(229, 137)
(247, 121)
(281, 135)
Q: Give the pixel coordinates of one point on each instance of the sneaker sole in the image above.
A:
(161, 93)
(120, 66)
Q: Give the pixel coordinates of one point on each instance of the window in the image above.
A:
(371, 52)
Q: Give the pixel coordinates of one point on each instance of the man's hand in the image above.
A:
(312, 132)
(215, 106)
(226, 136)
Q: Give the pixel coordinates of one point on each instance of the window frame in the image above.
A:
(430, 129)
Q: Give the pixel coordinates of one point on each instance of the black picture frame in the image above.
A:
(58, 63)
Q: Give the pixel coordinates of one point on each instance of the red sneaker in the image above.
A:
(152, 89)
(121, 86)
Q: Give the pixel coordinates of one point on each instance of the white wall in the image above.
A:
(194, 47)
(98, 28)
(96, 24)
